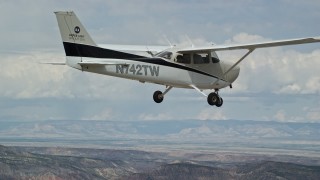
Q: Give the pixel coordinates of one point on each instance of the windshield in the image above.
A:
(214, 57)
(164, 54)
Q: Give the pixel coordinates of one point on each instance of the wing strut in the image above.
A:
(235, 64)
(241, 59)
(196, 88)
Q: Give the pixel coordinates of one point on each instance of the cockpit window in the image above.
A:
(201, 58)
(164, 54)
(183, 58)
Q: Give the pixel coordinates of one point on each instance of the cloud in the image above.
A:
(245, 38)
(105, 114)
(30, 110)
(285, 116)
(22, 76)
(313, 85)
(313, 113)
(211, 114)
(159, 116)
(280, 115)
(291, 88)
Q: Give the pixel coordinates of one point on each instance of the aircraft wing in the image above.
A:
(251, 46)
(87, 63)
(134, 47)
(141, 50)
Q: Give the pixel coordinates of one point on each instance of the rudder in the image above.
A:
(72, 30)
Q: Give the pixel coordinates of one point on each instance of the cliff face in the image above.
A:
(184, 171)
(20, 165)
(17, 163)
(263, 170)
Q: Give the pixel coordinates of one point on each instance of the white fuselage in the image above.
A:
(203, 76)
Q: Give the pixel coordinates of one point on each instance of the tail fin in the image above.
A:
(78, 44)
(72, 30)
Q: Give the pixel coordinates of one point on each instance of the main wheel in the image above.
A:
(220, 102)
(213, 99)
(158, 96)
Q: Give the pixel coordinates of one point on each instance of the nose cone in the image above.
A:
(233, 74)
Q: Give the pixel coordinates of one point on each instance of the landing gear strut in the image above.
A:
(158, 95)
(215, 99)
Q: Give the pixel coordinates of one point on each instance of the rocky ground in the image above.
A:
(76, 163)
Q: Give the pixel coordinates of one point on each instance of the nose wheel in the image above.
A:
(214, 99)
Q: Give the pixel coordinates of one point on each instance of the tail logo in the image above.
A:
(76, 29)
(76, 36)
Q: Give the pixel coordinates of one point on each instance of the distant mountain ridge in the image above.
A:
(233, 135)
(76, 128)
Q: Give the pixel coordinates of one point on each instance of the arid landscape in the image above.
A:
(159, 150)
(83, 163)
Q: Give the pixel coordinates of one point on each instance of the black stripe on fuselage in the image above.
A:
(82, 50)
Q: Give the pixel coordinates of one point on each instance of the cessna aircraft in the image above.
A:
(191, 67)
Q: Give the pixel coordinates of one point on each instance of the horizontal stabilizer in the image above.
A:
(101, 63)
(53, 63)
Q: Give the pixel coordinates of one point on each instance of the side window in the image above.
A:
(214, 57)
(201, 58)
(184, 58)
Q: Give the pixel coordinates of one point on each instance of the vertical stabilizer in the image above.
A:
(72, 30)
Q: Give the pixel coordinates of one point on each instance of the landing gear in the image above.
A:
(158, 95)
(215, 99)
(220, 102)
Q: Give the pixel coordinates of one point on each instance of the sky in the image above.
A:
(275, 84)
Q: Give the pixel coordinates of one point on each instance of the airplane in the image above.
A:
(192, 67)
